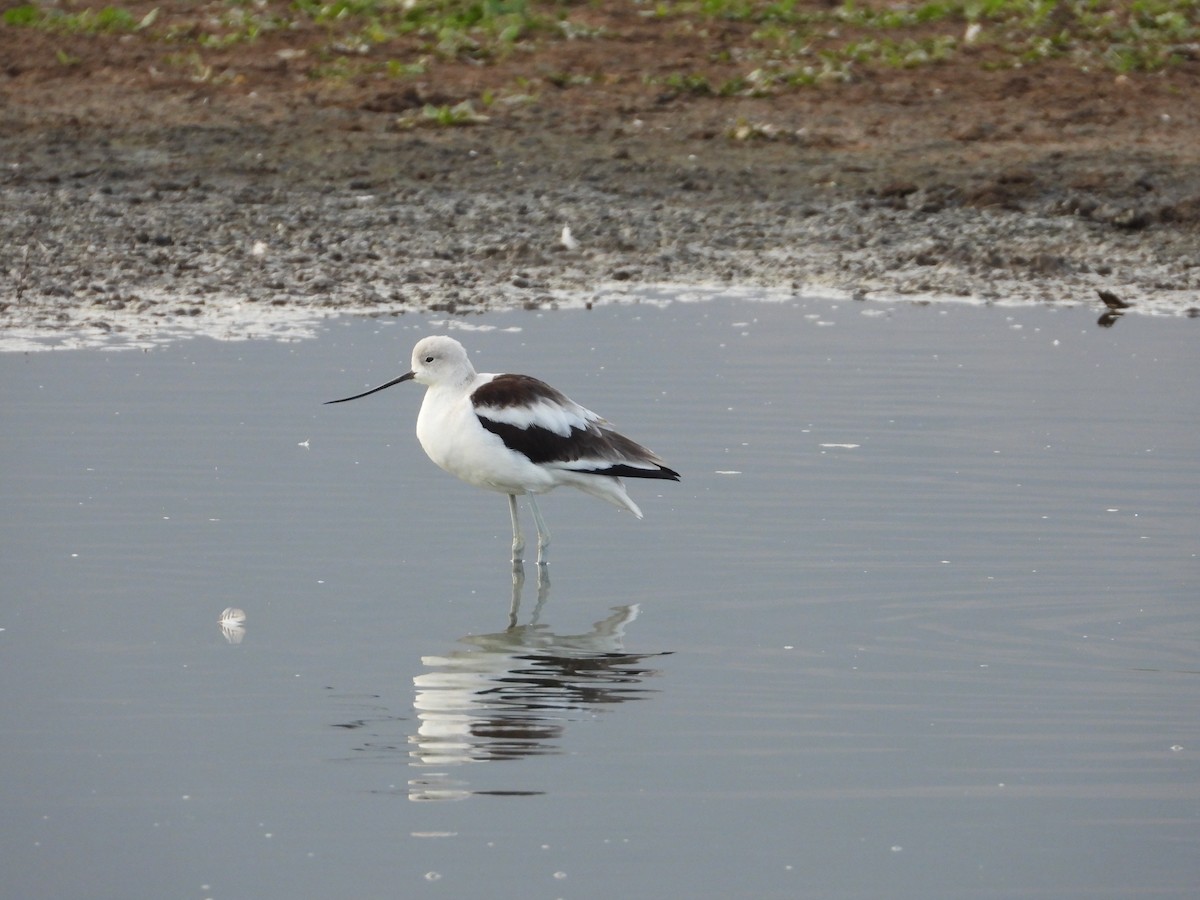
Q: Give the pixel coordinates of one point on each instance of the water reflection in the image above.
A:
(510, 694)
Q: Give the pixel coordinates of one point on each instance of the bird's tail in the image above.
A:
(607, 488)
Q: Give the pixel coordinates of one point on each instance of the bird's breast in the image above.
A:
(440, 425)
(450, 434)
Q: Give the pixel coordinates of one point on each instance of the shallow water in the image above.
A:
(921, 619)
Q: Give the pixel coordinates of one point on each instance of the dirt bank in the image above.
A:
(133, 197)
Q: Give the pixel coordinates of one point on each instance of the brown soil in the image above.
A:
(1078, 180)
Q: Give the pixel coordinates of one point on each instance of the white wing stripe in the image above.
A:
(543, 414)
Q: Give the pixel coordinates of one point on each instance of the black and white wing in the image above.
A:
(549, 428)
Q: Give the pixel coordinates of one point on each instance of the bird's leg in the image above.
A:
(518, 538)
(542, 530)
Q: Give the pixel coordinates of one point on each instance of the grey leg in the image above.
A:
(542, 530)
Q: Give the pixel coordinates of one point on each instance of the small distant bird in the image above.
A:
(1111, 300)
(567, 239)
(519, 436)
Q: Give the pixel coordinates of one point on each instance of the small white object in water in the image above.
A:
(232, 622)
(568, 239)
(232, 616)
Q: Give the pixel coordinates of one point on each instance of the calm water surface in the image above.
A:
(921, 619)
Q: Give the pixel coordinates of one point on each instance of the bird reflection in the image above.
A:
(510, 694)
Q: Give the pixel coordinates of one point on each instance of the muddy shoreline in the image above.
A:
(122, 219)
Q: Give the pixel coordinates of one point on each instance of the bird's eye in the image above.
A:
(429, 359)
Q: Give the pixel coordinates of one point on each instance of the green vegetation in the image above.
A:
(454, 27)
(1143, 35)
(86, 21)
(444, 116)
(743, 47)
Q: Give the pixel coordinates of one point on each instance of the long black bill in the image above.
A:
(407, 376)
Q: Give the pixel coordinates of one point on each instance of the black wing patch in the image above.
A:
(505, 391)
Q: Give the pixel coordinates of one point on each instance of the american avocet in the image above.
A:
(518, 435)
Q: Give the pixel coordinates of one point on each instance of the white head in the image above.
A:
(440, 360)
(435, 360)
